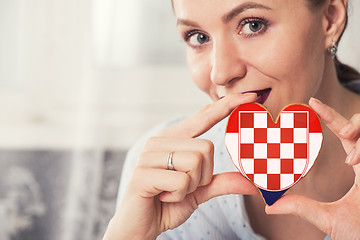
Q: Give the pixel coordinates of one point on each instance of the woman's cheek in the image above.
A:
(200, 73)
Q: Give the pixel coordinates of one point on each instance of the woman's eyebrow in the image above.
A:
(227, 17)
(241, 8)
(187, 23)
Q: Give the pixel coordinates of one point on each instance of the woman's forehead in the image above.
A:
(216, 11)
(188, 7)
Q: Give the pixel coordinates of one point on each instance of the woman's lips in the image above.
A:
(262, 95)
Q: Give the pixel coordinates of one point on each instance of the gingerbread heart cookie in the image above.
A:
(274, 155)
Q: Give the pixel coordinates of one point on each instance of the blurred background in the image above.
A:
(80, 82)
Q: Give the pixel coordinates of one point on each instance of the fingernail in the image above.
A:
(267, 209)
(250, 95)
(350, 157)
(346, 130)
(316, 100)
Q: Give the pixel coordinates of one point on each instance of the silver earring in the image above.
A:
(333, 50)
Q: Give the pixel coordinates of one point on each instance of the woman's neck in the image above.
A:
(334, 94)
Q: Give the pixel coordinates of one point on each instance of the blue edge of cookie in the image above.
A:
(271, 197)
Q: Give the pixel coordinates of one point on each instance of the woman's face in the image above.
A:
(275, 48)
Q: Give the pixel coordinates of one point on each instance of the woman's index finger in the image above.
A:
(333, 120)
(208, 116)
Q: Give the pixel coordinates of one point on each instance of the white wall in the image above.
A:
(349, 49)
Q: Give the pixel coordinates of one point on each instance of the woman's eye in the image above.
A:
(251, 27)
(197, 39)
(255, 26)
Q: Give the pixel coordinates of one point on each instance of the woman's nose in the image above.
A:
(227, 64)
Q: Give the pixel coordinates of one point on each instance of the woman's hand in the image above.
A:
(158, 199)
(339, 219)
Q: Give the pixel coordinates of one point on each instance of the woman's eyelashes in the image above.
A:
(196, 38)
(247, 28)
(251, 27)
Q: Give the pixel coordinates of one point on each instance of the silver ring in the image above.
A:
(170, 165)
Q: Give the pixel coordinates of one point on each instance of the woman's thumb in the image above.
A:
(310, 210)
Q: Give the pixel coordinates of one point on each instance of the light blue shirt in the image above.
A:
(223, 217)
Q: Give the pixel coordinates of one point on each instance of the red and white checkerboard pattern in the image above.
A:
(273, 155)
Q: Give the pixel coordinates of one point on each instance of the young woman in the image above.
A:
(274, 52)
